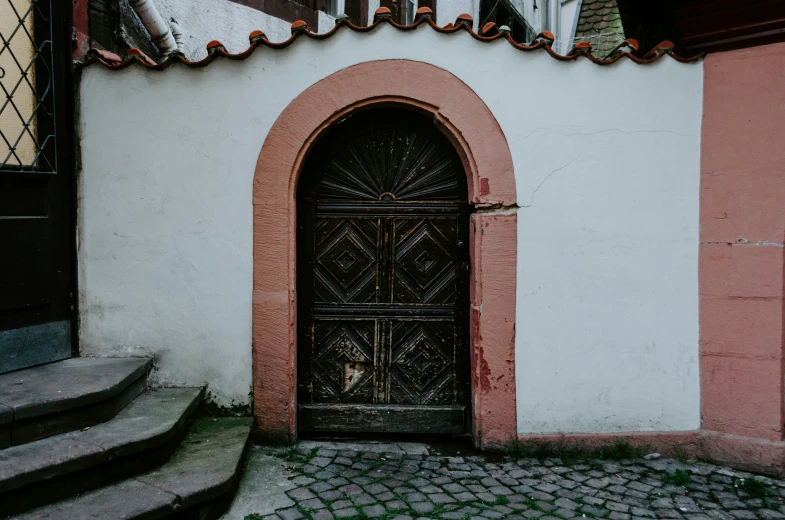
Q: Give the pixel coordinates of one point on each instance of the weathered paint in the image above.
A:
(606, 277)
(741, 252)
(493, 255)
(81, 31)
(468, 123)
(747, 453)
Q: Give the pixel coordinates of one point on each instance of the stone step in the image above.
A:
(141, 437)
(42, 401)
(197, 482)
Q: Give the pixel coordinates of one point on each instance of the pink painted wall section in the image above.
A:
(494, 245)
(81, 28)
(741, 251)
(274, 323)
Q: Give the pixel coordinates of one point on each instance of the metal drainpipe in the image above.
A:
(156, 26)
(177, 33)
(557, 24)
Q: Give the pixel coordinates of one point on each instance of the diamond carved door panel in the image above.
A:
(383, 279)
(422, 368)
(343, 361)
(346, 254)
(425, 270)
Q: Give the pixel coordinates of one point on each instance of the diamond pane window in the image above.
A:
(26, 93)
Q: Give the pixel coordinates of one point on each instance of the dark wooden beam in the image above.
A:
(432, 5)
(357, 11)
(387, 418)
(704, 25)
(397, 8)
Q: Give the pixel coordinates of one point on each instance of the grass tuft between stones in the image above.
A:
(753, 487)
(678, 477)
(571, 452)
(292, 454)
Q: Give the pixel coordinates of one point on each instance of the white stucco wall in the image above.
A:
(607, 169)
(202, 21)
(447, 12)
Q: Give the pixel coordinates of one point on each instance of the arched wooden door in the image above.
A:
(382, 284)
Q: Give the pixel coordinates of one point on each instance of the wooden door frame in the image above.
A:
(470, 126)
(49, 331)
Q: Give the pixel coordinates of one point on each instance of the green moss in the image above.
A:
(500, 501)
(678, 477)
(235, 409)
(679, 453)
(291, 454)
(573, 452)
(753, 487)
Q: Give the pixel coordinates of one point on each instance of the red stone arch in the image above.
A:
(477, 136)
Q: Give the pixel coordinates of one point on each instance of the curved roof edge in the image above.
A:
(627, 49)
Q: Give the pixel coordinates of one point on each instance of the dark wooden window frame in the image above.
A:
(357, 11)
(38, 212)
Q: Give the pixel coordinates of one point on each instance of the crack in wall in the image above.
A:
(744, 242)
(497, 209)
(531, 199)
(619, 130)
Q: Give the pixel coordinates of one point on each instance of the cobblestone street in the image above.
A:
(406, 481)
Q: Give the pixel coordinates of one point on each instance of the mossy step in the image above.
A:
(141, 437)
(204, 469)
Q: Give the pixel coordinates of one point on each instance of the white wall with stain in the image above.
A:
(607, 170)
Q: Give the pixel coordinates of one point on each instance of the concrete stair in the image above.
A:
(197, 482)
(38, 402)
(85, 440)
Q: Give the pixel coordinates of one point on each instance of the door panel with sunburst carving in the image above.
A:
(383, 279)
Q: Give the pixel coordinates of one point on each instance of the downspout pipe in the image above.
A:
(158, 29)
(177, 33)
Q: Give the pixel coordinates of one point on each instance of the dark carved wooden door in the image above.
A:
(383, 279)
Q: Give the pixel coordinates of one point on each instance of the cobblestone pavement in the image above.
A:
(405, 482)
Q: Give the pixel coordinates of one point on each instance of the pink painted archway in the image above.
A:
(475, 133)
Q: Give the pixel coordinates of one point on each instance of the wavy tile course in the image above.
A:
(488, 33)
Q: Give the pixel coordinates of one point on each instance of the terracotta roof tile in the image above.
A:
(144, 58)
(256, 35)
(542, 43)
(299, 26)
(488, 29)
(465, 19)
